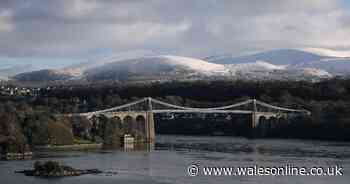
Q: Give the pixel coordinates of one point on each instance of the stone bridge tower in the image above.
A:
(151, 134)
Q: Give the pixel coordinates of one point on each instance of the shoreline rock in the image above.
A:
(70, 147)
(17, 156)
(54, 169)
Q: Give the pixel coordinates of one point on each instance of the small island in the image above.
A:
(55, 169)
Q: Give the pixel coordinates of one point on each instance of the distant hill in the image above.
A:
(293, 60)
(277, 57)
(42, 76)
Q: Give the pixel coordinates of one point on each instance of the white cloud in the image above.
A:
(5, 21)
(140, 33)
(76, 8)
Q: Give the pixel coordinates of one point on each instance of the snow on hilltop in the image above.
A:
(77, 70)
(328, 52)
(193, 64)
(317, 72)
(256, 66)
(155, 64)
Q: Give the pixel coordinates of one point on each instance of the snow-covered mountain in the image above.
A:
(10, 67)
(167, 67)
(262, 70)
(277, 57)
(141, 68)
(156, 68)
(335, 65)
(328, 52)
(255, 66)
(325, 61)
(43, 76)
(77, 70)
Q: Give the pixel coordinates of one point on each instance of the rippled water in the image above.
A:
(168, 162)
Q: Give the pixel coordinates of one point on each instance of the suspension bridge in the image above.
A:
(141, 112)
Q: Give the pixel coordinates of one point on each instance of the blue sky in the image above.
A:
(70, 31)
(347, 4)
(36, 63)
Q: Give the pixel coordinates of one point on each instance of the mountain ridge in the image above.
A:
(168, 67)
(278, 57)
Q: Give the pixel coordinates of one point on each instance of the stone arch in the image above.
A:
(141, 124)
(95, 125)
(273, 122)
(95, 121)
(263, 125)
(282, 122)
(93, 118)
(118, 121)
(282, 119)
(263, 122)
(128, 124)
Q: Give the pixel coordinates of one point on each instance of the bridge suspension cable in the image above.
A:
(171, 105)
(178, 108)
(232, 106)
(278, 108)
(192, 108)
(114, 108)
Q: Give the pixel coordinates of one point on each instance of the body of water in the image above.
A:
(172, 155)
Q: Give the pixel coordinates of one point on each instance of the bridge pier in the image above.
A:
(148, 121)
(257, 115)
(255, 120)
(151, 134)
(135, 121)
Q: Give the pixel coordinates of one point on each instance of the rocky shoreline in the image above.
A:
(73, 147)
(17, 156)
(55, 169)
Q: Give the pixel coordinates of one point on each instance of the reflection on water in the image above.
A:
(167, 161)
(278, 147)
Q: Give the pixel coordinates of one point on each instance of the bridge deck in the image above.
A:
(203, 111)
